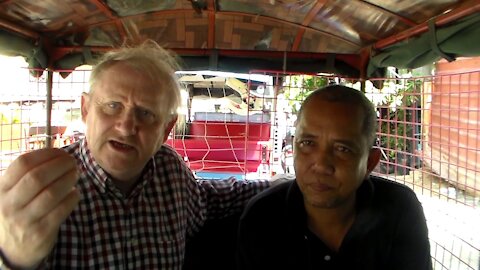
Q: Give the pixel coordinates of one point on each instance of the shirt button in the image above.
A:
(327, 258)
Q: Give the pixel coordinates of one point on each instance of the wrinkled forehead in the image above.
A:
(123, 81)
(122, 73)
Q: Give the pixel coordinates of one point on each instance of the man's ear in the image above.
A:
(373, 159)
(85, 102)
(169, 127)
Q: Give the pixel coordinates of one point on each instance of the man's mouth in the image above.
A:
(320, 187)
(120, 146)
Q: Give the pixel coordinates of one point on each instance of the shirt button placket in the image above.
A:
(128, 235)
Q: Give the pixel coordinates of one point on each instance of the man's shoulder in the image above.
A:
(270, 199)
(167, 152)
(167, 149)
(276, 192)
(387, 188)
(169, 161)
(383, 183)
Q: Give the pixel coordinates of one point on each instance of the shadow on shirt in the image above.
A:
(214, 247)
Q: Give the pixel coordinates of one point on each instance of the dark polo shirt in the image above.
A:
(389, 232)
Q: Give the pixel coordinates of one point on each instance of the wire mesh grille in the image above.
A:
(428, 133)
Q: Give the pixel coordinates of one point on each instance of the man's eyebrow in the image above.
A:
(148, 105)
(145, 108)
(305, 136)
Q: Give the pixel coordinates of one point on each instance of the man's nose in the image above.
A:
(127, 123)
(324, 162)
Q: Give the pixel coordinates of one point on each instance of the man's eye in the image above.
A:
(145, 115)
(111, 107)
(343, 149)
(144, 112)
(305, 143)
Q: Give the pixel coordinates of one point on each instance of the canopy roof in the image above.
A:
(238, 35)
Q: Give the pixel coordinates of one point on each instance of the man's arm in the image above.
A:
(411, 246)
(36, 195)
(227, 197)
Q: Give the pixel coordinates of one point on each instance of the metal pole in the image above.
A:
(48, 109)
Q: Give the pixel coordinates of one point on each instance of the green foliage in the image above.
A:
(299, 87)
(400, 98)
(3, 119)
(399, 122)
(16, 120)
(13, 119)
(314, 82)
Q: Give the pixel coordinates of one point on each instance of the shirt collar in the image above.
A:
(296, 209)
(146, 176)
(98, 176)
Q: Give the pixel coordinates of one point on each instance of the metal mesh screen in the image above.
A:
(428, 132)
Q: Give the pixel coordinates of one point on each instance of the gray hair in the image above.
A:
(151, 59)
(347, 95)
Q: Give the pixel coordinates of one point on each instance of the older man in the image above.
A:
(334, 215)
(120, 199)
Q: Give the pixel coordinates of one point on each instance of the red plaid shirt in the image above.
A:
(147, 229)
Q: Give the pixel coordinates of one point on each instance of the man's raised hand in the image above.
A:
(37, 193)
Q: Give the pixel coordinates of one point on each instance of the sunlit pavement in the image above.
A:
(453, 230)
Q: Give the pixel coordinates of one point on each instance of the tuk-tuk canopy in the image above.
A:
(356, 39)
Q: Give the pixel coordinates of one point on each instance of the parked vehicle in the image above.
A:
(227, 128)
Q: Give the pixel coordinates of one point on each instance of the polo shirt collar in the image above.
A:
(296, 209)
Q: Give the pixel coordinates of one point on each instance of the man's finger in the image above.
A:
(50, 197)
(60, 213)
(40, 177)
(43, 233)
(26, 162)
